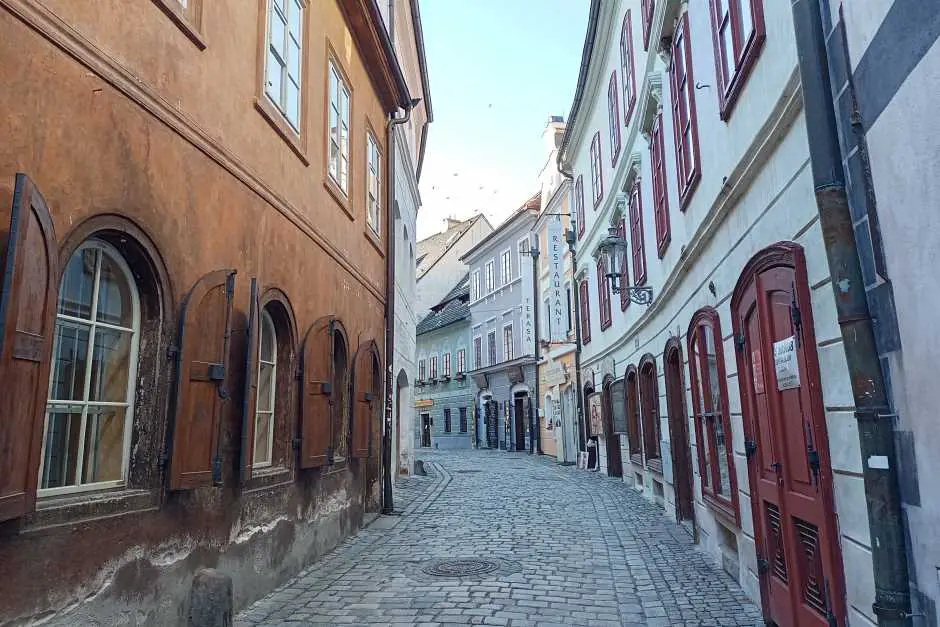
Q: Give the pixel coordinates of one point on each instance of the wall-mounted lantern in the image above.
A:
(614, 248)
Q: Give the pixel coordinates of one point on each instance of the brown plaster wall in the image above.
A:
(94, 149)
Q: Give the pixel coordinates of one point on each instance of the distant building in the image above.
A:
(438, 263)
(443, 392)
(502, 342)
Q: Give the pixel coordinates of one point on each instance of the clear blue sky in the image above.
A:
(497, 69)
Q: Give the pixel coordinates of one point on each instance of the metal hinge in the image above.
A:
(367, 397)
(172, 351)
(750, 448)
(739, 342)
(329, 454)
(217, 471)
(763, 566)
(295, 444)
(326, 388)
(230, 284)
(216, 372)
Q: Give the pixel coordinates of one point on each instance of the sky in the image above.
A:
(497, 69)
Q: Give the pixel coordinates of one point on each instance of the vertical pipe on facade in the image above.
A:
(536, 439)
(875, 422)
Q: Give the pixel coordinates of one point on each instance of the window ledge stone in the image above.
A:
(55, 511)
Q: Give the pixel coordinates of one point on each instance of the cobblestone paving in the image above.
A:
(570, 548)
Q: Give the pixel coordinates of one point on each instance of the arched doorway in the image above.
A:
(649, 413)
(401, 387)
(590, 427)
(786, 439)
(521, 417)
(679, 434)
(614, 409)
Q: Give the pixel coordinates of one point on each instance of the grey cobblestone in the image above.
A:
(585, 549)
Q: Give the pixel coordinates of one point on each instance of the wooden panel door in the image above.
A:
(317, 395)
(679, 436)
(791, 481)
(28, 288)
(615, 405)
(365, 399)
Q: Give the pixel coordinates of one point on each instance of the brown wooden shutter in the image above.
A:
(364, 400)
(27, 321)
(251, 384)
(585, 312)
(205, 328)
(317, 401)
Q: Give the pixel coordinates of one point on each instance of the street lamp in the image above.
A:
(614, 248)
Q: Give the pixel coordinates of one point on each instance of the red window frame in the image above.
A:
(627, 67)
(579, 204)
(603, 294)
(660, 191)
(461, 361)
(478, 352)
(709, 415)
(625, 279)
(585, 299)
(684, 118)
(637, 245)
(445, 365)
(726, 15)
(646, 8)
(613, 118)
(597, 171)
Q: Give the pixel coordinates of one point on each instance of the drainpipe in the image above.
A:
(535, 442)
(875, 420)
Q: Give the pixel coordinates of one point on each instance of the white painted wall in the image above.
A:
(440, 278)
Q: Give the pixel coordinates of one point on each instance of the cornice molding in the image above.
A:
(73, 43)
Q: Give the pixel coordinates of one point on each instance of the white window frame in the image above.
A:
(505, 266)
(445, 365)
(495, 354)
(338, 108)
(475, 285)
(128, 406)
(432, 367)
(273, 391)
(479, 362)
(422, 369)
(286, 69)
(461, 360)
(373, 184)
(508, 355)
(490, 271)
(523, 245)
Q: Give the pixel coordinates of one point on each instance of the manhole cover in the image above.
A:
(468, 567)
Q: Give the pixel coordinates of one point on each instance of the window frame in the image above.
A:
(272, 413)
(584, 301)
(509, 348)
(603, 294)
(579, 204)
(445, 365)
(489, 270)
(637, 243)
(597, 171)
(505, 266)
(373, 174)
(461, 360)
(422, 370)
(491, 348)
(625, 279)
(627, 67)
(133, 359)
(187, 18)
(703, 320)
(660, 186)
(684, 116)
(447, 421)
(334, 69)
(523, 246)
(650, 416)
(281, 104)
(647, 9)
(746, 52)
(476, 285)
(478, 351)
(613, 118)
(463, 419)
(432, 367)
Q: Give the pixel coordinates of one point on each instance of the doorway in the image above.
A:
(426, 430)
(614, 414)
(801, 579)
(679, 435)
(521, 414)
(491, 408)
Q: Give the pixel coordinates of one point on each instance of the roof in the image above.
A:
(453, 308)
(431, 249)
(586, 53)
(531, 206)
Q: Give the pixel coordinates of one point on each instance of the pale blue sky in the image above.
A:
(497, 69)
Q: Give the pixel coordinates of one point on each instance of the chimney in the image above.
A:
(553, 133)
(453, 222)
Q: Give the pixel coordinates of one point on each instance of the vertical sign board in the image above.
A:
(785, 364)
(594, 409)
(527, 319)
(556, 278)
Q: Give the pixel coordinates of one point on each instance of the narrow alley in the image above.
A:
(544, 544)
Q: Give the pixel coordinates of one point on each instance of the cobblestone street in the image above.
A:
(568, 548)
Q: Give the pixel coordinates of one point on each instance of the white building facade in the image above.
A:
(727, 400)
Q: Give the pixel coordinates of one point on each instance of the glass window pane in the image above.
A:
(278, 33)
(747, 21)
(68, 368)
(262, 449)
(63, 430)
(293, 60)
(104, 445)
(294, 11)
(77, 284)
(267, 347)
(706, 453)
(343, 171)
(334, 159)
(110, 365)
(727, 45)
(714, 383)
(273, 82)
(293, 103)
(265, 387)
(721, 453)
(114, 294)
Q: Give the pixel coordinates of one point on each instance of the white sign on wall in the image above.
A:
(557, 300)
(527, 319)
(785, 364)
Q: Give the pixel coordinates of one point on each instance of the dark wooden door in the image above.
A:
(679, 436)
(791, 483)
(519, 420)
(615, 402)
(425, 430)
(492, 424)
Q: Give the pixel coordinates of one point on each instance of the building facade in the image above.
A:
(439, 264)
(193, 309)
(727, 398)
(502, 328)
(444, 393)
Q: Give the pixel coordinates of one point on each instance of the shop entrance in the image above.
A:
(426, 430)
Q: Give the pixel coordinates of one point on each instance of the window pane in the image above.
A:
(273, 76)
(293, 103)
(265, 387)
(114, 295)
(104, 445)
(68, 367)
(747, 21)
(721, 453)
(727, 45)
(294, 11)
(278, 32)
(293, 60)
(110, 363)
(77, 284)
(262, 454)
(714, 383)
(267, 347)
(61, 448)
(706, 453)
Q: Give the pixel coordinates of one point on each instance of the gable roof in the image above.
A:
(431, 249)
(530, 206)
(453, 308)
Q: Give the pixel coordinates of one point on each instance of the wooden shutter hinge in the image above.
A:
(230, 285)
(326, 388)
(750, 448)
(739, 342)
(217, 471)
(763, 566)
(295, 443)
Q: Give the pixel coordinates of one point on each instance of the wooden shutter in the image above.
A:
(27, 321)
(364, 400)
(250, 401)
(625, 279)
(317, 394)
(205, 328)
(585, 312)
(636, 235)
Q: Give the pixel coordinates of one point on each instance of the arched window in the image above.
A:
(267, 388)
(340, 418)
(89, 412)
(710, 407)
(634, 432)
(649, 408)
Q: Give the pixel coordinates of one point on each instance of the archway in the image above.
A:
(613, 404)
(401, 387)
(679, 433)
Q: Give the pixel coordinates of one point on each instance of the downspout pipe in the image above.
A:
(535, 442)
(873, 413)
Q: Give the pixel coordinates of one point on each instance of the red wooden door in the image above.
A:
(791, 482)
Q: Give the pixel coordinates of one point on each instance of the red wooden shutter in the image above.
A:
(660, 196)
(317, 400)
(364, 400)
(251, 384)
(636, 235)
(27, 321)
(205, 327)
(625, 279)
(585, 313)
(579, 204)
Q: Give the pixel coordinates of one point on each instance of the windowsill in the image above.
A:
(174, 11)
(739, 79)
(661, 248)
(68, 509)
(295, 141)
(655, 465)
(685, 196)
(636, 459)
(375, 240)
(267, 477)
(341, 198)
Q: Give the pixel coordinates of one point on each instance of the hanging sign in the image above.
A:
(527, 319)
(558, 316)
(785, 364)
